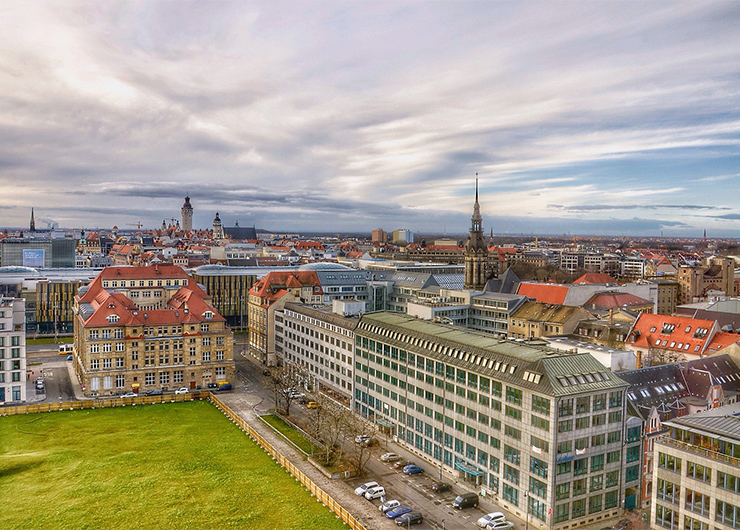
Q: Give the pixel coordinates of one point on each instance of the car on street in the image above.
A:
(441, 487)
(69, 357)
(397, 512)
(499, 525)
(154, 392)
(360, 490)
(375, 493)
(400, 464)
(365, 439)
(182, 390)
(491, 517)
(409, 518)
(413, 469)
(312, 405)
(390, 457)
(130, 394)
(389, 505)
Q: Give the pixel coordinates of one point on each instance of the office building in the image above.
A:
(539, 429)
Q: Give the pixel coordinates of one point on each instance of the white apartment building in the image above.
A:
(322, 343)
(12, 350)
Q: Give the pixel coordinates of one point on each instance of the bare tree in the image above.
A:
(657, 356)
(362, 434)
(287, 382)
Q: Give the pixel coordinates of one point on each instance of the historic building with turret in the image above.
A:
(187, 215)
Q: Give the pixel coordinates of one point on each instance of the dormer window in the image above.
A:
(112, 319)
(208, 315)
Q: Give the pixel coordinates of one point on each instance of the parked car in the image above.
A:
(130, 394)
(212, 385)
(390, 457)
(154, 392)
(466, 500)
(492, 517)
(441, 487)
(397, 512)
(409, 518)
(413, 469)
(360, 490)
(312, 405)
(499, 525)
(182, 390)
(400, 464)
(69, 357)
(389, 505)
(224, 386)
(375, 493)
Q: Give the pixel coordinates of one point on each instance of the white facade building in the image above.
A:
(12, 350)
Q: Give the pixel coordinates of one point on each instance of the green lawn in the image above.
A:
(165, 466)
(291, 433)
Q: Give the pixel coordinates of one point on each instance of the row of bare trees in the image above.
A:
(344, 436)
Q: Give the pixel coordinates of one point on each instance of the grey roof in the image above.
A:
(324, 265)
(508, 283)
(450, 281)
(722, 421)
(344, 276)
(504, 360)
(325, 313)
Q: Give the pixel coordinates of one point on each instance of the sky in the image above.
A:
(609, 118)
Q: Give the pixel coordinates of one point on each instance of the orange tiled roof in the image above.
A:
(543, 292)
(690, 336)
(595, 277)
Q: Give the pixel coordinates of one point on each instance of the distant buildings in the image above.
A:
(402, 236)
(38, 252)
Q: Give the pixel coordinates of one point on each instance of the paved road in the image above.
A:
(57, 385)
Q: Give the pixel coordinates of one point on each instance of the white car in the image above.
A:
(182, 390)
(130, 395)
(375, 493)
(390, 457)
(500, 525)
(389, 505)
(492, 517)
(360, 490)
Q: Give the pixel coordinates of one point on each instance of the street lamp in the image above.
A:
(526, 501)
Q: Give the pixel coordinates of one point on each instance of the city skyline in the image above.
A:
(585, 118)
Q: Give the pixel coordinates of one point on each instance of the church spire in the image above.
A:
(476, 250)
(33, 222)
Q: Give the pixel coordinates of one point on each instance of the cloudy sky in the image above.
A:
(580, 117)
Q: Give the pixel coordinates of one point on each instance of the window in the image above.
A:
(540, 423)
(565, 426)
(633, 453)
(615, 399)
(513, 395)
(612, 479)
(599, 402)
(669, 462)
(94, 364)
(511, 474)
(580, 466)
(579, 487)
(537, 487)
(632, 473)
(540, 405)
(177, 376)
(107, 364)
(513, 413)
(164, 378)
(510, 494)
(597, 462)
(728, 514)
(594, 504)
(561, 512)
(538, 467)
(512, 455)
(206, 356)
(583, 423)
(699, 472)
(728, 482)
(614, 437)
(120, 381)
(615, 416)
(512, 432)
(583, 405)
(597, 482)
(579, 508)
(563, 468)
(665, 517)
(697, 502)
(689, 523)
(565, 407)
(562, 491)
(613, 456)
(610, 499)
(119, 362)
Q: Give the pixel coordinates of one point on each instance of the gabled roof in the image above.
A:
(546, 293)
(595, 278)
(536, 311)
(614, 300)
(690, 336)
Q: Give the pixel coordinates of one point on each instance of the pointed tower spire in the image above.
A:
(33, 222)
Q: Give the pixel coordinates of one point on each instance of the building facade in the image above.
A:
(12, 350)
(696, 484)
(717, 275)
(144, 328)
(187, 215)
(540, 430)
(322, 344)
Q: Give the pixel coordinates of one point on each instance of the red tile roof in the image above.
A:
(613, 300)
(544, 292)
(595, 277)
(690, 336)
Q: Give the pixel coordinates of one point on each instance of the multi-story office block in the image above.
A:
(228, 288)
(539, 429)
(322, 343)
(143, 328)
(12, 350)
(696, 483)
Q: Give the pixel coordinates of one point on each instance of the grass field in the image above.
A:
(166, 466)
(291, 433)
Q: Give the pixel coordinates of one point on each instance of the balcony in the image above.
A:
(701, 451)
